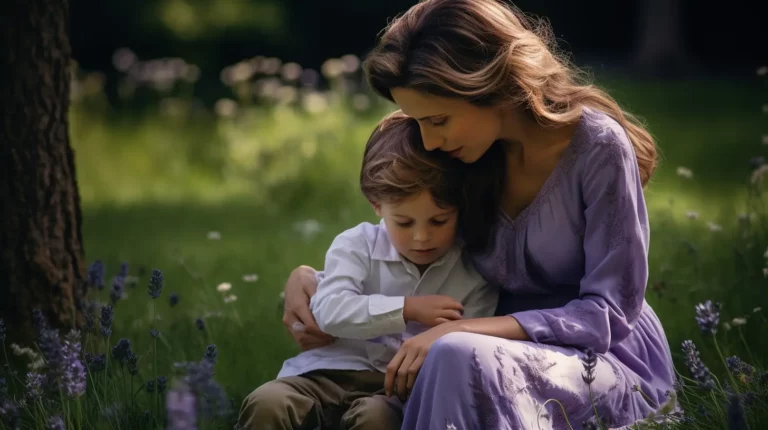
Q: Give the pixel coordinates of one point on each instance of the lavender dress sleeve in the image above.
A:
(615, 253)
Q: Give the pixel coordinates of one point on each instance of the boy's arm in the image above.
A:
(340, 306)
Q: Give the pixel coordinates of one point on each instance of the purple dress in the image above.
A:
(573, 271)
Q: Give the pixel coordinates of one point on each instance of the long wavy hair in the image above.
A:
(491, 54)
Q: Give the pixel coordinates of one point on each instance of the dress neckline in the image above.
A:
(566, 159)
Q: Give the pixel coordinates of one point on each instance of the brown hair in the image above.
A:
(396, 166)
(490, 53)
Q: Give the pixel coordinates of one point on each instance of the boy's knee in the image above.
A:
(375, 413)
(274, 406)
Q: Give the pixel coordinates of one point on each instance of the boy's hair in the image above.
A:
(396, 166)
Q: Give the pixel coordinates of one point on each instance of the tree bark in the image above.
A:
(660, 48)
(41, 254)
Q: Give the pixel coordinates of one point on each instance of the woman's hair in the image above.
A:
(397, 166)
(490, 54)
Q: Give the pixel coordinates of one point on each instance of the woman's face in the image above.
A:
(455, 126)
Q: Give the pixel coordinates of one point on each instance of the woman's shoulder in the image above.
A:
(601, 141)
(599, 129)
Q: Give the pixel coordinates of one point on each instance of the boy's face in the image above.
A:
(420, 230)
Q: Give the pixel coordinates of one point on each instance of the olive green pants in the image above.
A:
(322, 399)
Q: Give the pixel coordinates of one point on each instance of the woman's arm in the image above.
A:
(297, 317)
(615, 243)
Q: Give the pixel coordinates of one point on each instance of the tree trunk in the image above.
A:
(660, 43)
(41, 253)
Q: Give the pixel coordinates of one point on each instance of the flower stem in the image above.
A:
(154, 357)
(730, 375)
(749, 351)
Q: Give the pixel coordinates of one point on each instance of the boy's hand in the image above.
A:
(432, 310)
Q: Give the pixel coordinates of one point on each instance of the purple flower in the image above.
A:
(708, 316)
(96, 363)
(735, 413)
(53, 353)
(96, 274)
(107, 315)
(162, 384)
(150, 386)
(132, 363)
(182, 409)
(121, 350)
(756, 162)
(34, 386)
(56, 423)
(174, 299)
(590, 424)
(155, 287)
(117, 289)
(589, 361)
(210, 354)
(123, 273)
(39, 319)
(10, 414)
(73, 378)
(154, 332)
(700, 373)
(739, 368)
(200, 324)
(212, 400)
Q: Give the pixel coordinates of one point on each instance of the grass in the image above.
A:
(154, 184)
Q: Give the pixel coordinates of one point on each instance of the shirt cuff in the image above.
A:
(535, 325)
(387, 313)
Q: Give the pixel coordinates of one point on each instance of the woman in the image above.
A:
(569, 241)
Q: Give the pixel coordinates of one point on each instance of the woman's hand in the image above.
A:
(402, 370)
(297, 316)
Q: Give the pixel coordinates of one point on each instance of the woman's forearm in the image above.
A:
(505, 327)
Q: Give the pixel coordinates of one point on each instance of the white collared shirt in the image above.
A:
(361, 293)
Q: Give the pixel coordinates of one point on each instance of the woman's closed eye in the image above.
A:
(439, 221)
(438, 121)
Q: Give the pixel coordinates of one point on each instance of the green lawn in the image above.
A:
(154, 186)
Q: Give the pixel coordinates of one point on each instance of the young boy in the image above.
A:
(381, 285)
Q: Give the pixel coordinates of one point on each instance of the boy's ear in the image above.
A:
(376, 208)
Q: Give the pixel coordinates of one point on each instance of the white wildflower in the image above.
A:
(759, 173)
(762, 71)
(308, 228)
(727, 326)
(450, 427)
(291, 71)
(214, 235)
(351, 63)
(692, 214)
(225, 108)
(332, 68)
(250, 278)
(684, 172)
(765, 139)
(230, 298)
(224, 287)
(282, 295)
(765, 254)
(714, 227)
(757, 309)
(765, 272)
(361, 102)
(738, 322)
(314, 102)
